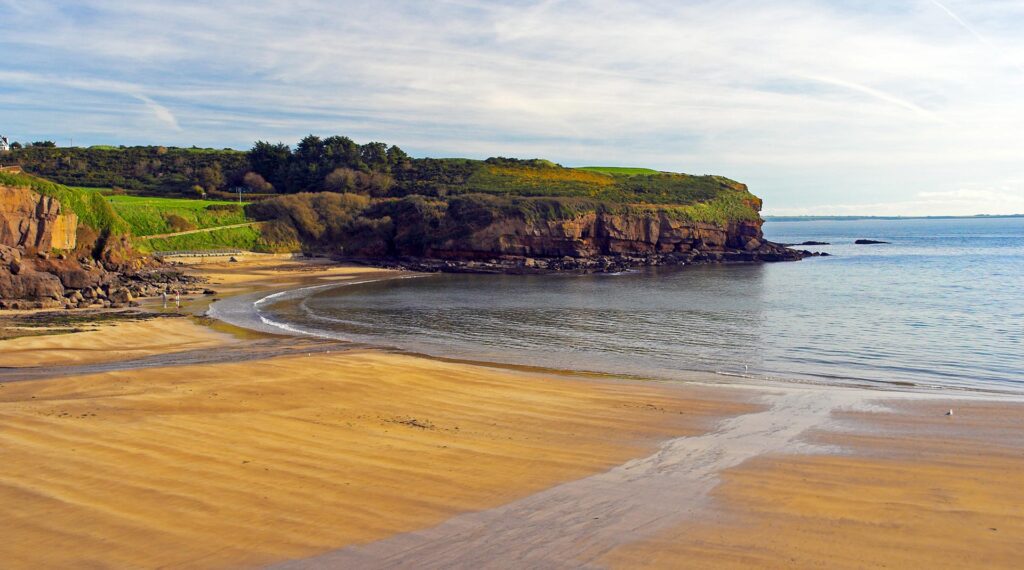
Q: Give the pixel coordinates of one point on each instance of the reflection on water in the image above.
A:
(940, 306)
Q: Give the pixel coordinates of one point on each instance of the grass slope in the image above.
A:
(92, 208)
(141, 216)
(565, 192)
(151, 216)
(247, 238)
(623, 170)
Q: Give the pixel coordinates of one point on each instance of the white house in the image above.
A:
(4, 145)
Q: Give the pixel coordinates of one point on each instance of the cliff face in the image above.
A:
(34, 221)
(599, 234)
(31, 225)
(481, 232)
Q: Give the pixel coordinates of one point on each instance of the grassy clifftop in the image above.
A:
(92, 209)
(541, 189)
(384, 190)
(338, 164)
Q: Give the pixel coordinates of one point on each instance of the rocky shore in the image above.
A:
(44, 281)
(766, 252)
(50, 260)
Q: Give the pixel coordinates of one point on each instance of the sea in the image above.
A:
(941, 306)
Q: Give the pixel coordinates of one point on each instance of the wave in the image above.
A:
(244, 310)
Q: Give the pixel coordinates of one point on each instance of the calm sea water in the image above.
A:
(942, 305)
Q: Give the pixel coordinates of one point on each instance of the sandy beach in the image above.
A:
(126, 456)
(907, 488)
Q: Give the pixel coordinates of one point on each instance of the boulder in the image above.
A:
(9, 255)
(30, 285)
(78, 278)
(120, 295)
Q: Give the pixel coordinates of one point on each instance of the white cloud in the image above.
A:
(810, 102)
(962, 202)
(161, 113)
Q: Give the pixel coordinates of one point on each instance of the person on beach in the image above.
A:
(164, 296)
(177, 300)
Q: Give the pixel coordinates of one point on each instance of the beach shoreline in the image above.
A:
(630, 470)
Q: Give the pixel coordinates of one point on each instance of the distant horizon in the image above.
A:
(854, 217)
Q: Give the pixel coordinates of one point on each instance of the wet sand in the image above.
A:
(904, 488)
(110, 342)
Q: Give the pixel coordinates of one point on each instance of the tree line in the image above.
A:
(336, 164)
(316, 164)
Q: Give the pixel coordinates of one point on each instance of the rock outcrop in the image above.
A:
(594, 242)
(34, 221)
(40, 281)
(20, 280)
(40, 266)
(599, 234)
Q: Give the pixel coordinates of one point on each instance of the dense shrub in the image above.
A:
(148, 169)
(176, 223)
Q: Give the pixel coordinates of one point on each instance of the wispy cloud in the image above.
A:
(974, 32)
(875, 93)
(811, 102)
(161, 113)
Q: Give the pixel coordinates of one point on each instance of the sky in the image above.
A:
(911, 107)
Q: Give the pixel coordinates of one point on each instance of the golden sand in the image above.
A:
(110, 342)
(917, 489)
(248, 463)
(265, 270)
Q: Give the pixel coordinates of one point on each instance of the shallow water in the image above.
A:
(942, 306)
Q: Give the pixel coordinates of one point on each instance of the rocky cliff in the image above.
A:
(31, 220)
(43, 265)
(518, 234)
(598, 234)
(601, 242)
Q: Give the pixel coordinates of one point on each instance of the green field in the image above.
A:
(147, 216)
(152, 216)
(622, 170)
(247, 238)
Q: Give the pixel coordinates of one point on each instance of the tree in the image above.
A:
(44, 144)
(211, 177)
(257, 183)
(16, 145)
(397, 159)
(270, 161)
(375, 156)
(341, 152)
(308, 167)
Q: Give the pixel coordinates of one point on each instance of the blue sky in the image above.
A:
(841, 107)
